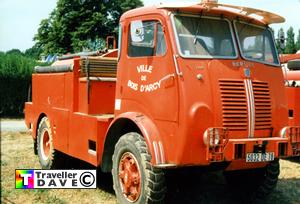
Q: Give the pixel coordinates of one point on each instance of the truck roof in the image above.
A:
(229, 11)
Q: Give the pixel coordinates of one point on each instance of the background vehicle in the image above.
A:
(291, 71)
(194, 85)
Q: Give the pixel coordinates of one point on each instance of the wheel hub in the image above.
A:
(129, 176)
(45, 144)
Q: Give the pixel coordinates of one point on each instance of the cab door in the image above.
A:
(148, 73)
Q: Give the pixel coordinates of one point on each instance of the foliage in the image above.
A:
(277, 41)
(14, 52)
(73, 25)
(290, 47)
(298, 41)
(15, 65)
(33, 52)
(15, 78)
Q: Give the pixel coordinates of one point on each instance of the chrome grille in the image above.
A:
(234, 104)
(262, 100)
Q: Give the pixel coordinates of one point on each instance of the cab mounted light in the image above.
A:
(215, 139)
(211, 137)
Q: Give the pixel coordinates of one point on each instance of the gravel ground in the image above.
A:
(12, 125)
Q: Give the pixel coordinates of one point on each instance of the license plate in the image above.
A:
(260, 157)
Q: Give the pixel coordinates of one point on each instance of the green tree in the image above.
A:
(277, 41)
(298, 41)
(75, 25)
(34, 52)
(117, 7)
(15, 76)
(290, 47)
(14, 52)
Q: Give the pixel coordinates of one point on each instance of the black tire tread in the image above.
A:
(57, 160)
(50, 164)
(270, 181)
(155, 180)
(260, 181)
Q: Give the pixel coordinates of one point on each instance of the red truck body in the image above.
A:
(191, 111)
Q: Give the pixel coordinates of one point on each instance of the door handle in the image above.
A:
(168, 80)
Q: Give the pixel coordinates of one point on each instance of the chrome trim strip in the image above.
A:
(165, 166)
(155, 147)
(92, 152)
(106, 79)
(252, 102)
(280, 139)
(162, 154)
(248, 106)
(178, 72)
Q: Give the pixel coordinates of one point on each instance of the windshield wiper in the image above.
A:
(197, 31)
(196, 34)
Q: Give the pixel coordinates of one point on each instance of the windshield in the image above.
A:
(202, 37)
(256, 43)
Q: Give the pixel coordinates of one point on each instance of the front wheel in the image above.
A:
(135, 179)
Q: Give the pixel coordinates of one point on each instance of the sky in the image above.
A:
(20, 19)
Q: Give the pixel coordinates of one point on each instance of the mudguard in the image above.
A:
(149, 132)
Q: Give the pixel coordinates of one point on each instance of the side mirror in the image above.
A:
(137, 31)
(281, 40)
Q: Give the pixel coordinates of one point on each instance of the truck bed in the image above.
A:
(78, 97)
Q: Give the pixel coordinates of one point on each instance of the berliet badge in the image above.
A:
(247, 72)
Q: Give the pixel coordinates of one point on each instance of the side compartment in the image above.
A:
(87, 136)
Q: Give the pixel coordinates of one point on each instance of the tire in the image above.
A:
(260, 182)
(134, 174)
(294, 64)
(45, 149)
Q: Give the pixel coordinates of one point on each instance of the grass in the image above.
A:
(17, 152)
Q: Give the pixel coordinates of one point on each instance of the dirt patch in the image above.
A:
(17, 153)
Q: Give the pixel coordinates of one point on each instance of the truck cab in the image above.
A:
(190, 85)
(210, 71)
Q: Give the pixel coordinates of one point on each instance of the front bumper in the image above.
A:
(288, 145)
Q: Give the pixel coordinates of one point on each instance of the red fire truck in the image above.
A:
(189, 86)
(291, 71)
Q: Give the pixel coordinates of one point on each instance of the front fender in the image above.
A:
(149, 132)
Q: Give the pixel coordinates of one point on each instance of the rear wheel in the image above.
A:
(48, 157)
(135, 179)
(261, 182)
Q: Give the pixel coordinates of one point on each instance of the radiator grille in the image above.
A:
(235, 108)
(234, 104)
(262, 99)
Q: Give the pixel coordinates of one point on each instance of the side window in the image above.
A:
(141, 39)
(160, 41)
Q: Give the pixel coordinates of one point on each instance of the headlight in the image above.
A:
(212, 135)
